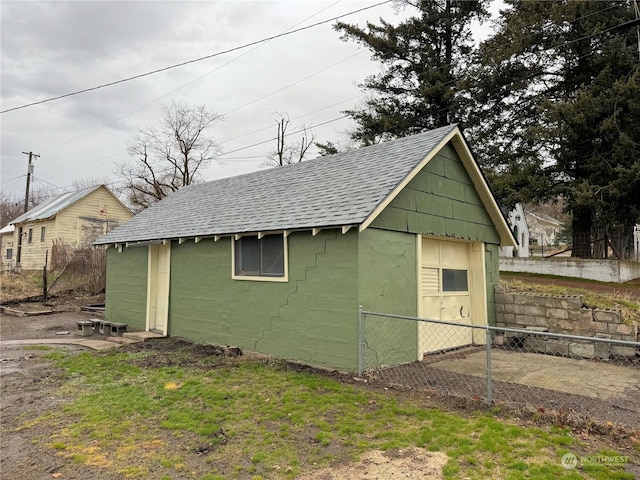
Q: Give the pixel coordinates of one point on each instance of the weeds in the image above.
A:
(627, 303)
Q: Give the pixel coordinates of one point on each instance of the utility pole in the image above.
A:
(29, 173)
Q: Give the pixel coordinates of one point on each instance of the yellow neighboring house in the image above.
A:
(73, 219)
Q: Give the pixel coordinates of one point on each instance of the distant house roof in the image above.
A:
(545, 218)
(52, 206)
(7, 229)
(345, 189)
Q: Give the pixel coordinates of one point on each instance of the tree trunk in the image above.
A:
(581, 244)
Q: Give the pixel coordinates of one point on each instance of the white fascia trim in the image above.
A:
(145, 243)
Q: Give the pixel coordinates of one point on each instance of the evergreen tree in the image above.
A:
(424, 59)
(557, 109)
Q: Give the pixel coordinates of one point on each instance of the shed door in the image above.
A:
(158, 287)
(445, 294)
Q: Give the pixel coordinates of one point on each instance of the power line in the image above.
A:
(286, 135)
(206, 57)
(295, 83)
(13, 179)
(186, 84)
(295, 118)
(453, 80)
(276, 91)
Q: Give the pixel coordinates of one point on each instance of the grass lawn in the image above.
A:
(182, 412)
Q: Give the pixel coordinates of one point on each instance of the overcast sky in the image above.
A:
(53, 48)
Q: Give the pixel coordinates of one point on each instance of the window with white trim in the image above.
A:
(260, 257)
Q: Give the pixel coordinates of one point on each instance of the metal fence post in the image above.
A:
(489, 384)
(360, 340)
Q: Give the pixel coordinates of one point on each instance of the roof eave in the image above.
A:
(217, 236)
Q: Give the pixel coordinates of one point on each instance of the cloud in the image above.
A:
(52, 48)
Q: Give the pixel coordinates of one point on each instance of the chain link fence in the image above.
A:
(531, 368)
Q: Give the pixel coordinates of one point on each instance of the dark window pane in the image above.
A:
(9, 253)
(454, 280)
(264, 257)
(248, 256)
(273, 255)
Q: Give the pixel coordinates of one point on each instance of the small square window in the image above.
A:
(9, 253)
(42, 233)
(454, 280)
(260, 257)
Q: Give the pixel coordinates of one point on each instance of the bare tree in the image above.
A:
(10, 208)
(288, 153)
(168, 157)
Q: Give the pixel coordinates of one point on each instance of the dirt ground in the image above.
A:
(28, 383)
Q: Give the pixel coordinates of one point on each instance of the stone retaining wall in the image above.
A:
(565, 315)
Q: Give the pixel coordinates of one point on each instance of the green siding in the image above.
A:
(312, 318)
(492, 267)
(126, 292)
(440, 200)
(388, 284)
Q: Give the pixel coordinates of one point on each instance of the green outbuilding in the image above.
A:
(280, 260)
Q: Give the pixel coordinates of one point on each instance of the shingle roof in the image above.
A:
(52, 206)
(337, 190)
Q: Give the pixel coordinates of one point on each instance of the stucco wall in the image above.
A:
(493, 277)
(126, 292)
(441, 200)
(618, 271)
(312, 318)
(387, 272)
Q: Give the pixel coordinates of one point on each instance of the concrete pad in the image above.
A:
(123, 340)
(582, 377)
(143, 336)
(97, 344)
